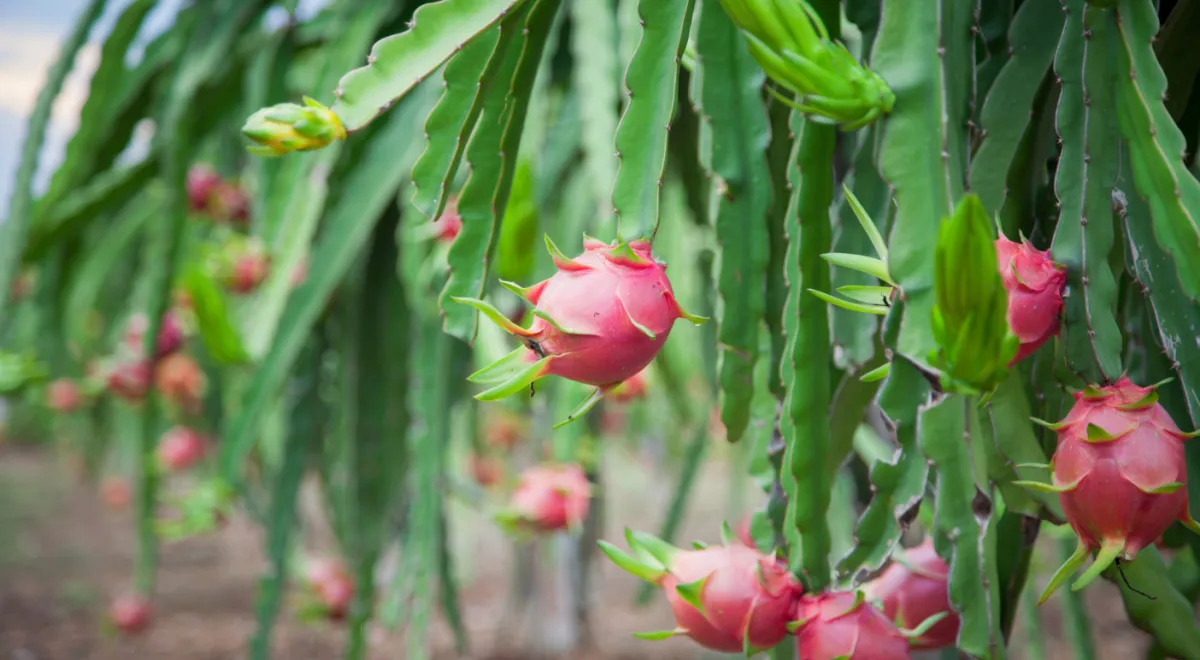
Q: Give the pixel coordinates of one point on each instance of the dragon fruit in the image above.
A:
(202, 182)
(332, 585)
(842, 625)
(1120, 474)
(170, 333)
(63, 395)
(130, 380)
(485, 470)
(130, 613)
(229, 203)
(1034, 284)
(180, 448)
(178, 378)
(729, 598)
(115, 492)
(548, 498)
(913, 589)
(599, 320)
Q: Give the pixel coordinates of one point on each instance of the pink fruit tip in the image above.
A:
(1120, 471)
(842, 625)
(551, 497)
(1034, 283)
(913, 589)
(180, 448)
(62, 395)
(731, 598)
(130, 613)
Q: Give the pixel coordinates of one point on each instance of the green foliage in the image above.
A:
(722, 130)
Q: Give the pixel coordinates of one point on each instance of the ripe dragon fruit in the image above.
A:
(180, 448)
(202, 181)
(170, 333)
(332, 585)
(130, 380)
(1034, 284)
(599, 320)
(130, 613)
(178, 378)
(729, 598)
(548, 498)
(1120, 474)
(485, 470)
(842, 625)
(913, 589)
(63, 395)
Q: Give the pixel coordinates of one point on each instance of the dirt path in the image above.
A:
(63, 554)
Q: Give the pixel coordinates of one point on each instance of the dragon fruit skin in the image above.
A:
(1108, 480)
(1120, 474)
(180, 448)
(1034, 284)
(549, 498)
(842, 625)
(130, 613)
(63, 395)
(599, 320)
(915, 590)
(729, 598)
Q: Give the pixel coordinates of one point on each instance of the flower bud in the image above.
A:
(288, 127)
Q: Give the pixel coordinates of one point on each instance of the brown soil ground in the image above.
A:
(63, 554)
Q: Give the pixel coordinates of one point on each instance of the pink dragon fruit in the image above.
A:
(170, 333)
(332, 585)
(842, 625)
(130, 380)
(913, 589)
(548, 498)
(1034, 284)
(729, 598)
(229, 203)
(599, 320)
(180, 448)
(130, 613)
(202, 182)
(1120, 474)
(63, 395)
(181, 380)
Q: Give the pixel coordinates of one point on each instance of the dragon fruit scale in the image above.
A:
(842, 625)
(1034, 284)
(1120, 474)
(729, 598)
(599, 320)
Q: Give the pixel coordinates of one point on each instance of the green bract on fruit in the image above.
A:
(730, 598)
(599, 320)
(1121, 476)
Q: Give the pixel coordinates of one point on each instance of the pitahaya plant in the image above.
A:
(548, 498)
(1034, 283)
(202, 182)
(63, 395)
(130, 613)
(729, 598)
(913, 589)
(180, 448)
(841, 625)
(599, 320)
(1120, 474)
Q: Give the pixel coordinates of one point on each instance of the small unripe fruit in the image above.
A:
(180, 448)
(130, 613)
(63, 395)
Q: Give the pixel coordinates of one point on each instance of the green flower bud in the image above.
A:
(288, 127)
(790, 42)
(969, 321)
